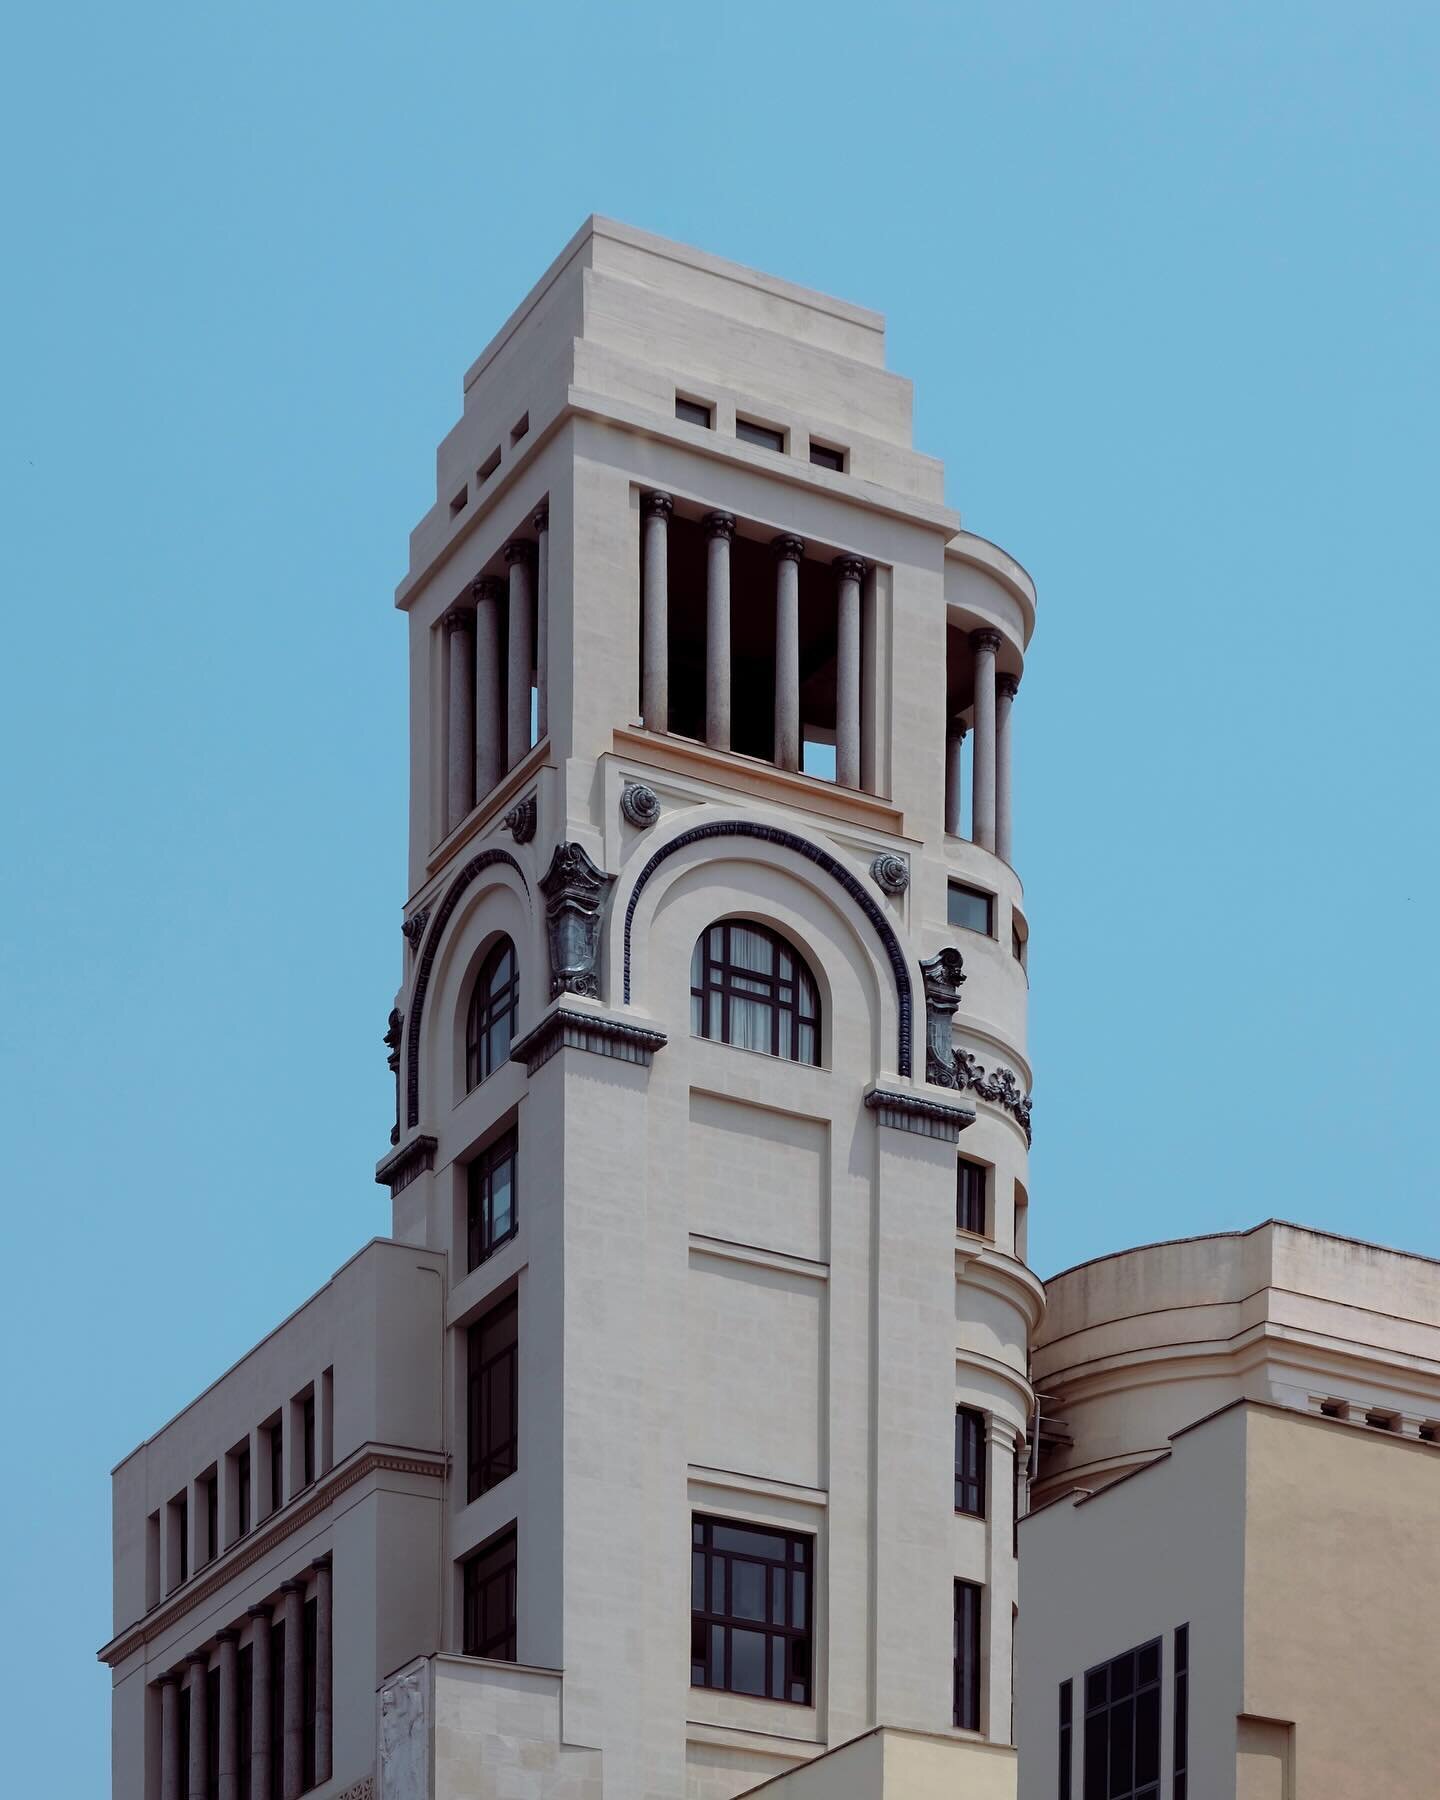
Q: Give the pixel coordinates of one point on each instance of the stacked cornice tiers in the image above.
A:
(1139, 1345)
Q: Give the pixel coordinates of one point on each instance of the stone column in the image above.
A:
(788, 551)
(489, 593)
(260, 1679)
(324, 1672)
(655, 511)
(460, 751)
(541, 522)
(954, 782)
(851, 572)
(517, 698)
(293, 1735)
(199, 1784)
(229, 1722)
(719, 529)
(172, 1782)
(1006, 688)
(984, 644)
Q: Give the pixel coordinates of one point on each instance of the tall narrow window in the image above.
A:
(307, 1438)
(970, 1196)
(1067, 1736)
(277, 1465)
(489, 1601)
(970, 1461)
(492, 1398)
(1180, 1785)
(490, 1021)
(750, 1610)
(210, 1485)
(492, 1213)
(242, 1491)
(750, 988)
(967, 1655)
(1122, 1726)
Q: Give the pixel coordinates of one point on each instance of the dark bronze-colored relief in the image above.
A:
(574, 891)
(942, 974)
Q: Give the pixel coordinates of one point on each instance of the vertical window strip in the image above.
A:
(751, 1599)
(970, 1461)
(967, 1655)
(1180, 1782)
(492, 1398)
(1067, 1737)
(1122, 1726)
(492, 1213)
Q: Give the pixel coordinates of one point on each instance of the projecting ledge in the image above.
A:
(573, 1028)
(903, 1110)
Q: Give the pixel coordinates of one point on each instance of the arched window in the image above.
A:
(750, 988)
(490, 1023)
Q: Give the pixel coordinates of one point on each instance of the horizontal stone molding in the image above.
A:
(401, 1166)
(915, 1113)
(267, 1536)
(570, 1028)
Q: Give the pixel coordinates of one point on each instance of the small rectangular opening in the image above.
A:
(1333, 1409)
(209, 1486)
(1382, 1421)
(238, 1492)
(519, 428)
(1430, 1433)
(971, 909)
(327, 1422)
(693, 412)
(273, 1477)
(750, 431)
(152, 1561)
(489, 466)
(825, 457)
(457, 505)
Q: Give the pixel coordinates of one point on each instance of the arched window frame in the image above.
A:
(729, 997)
(492, 1014)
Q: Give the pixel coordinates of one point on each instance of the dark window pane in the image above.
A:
(491, 1198)
(747, 1590)
(492, 1013)
(747, 1662)
(692, 412)
(1122, 1727)
(765, 435)
(743, 1635)
(1147, 1735)
(969, 1461)
(970, 1196)
(750, 989)
(824, 457)
(967, 1656)
(971, 909)
(492, 1424)
(489, 1601)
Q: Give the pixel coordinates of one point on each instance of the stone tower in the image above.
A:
(677, 1437)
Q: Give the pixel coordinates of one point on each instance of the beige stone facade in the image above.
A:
(1241, 1445)
(696, 646)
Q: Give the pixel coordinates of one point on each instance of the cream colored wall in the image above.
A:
(899, 1765)
(1342, 1566)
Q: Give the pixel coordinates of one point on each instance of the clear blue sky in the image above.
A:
(1166, 280)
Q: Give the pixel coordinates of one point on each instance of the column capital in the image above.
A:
(540, 518)
(228, 1636)
(258, 1613)
(957, 729)
(516, 550)
(487, 587)
(720, 524)
(321, 1562)
(1008, 685)
(459, 618)
(198, 1659)
(850, 568)
(787, 548)
(295, 1585)
(985, 640)
(656, 505)
(171, 1679)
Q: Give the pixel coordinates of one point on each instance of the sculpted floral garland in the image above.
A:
(1001, 1087)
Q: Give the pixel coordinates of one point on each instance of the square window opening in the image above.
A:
(972, 909)
(824, 456)
(766, 437)
(694, 412)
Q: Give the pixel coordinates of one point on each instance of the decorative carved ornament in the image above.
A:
(394, 1032)
(832, 866)
(363, 1789)
(568, 1028)
(904, 1111)
(640, 804)
(520, 820)
(574, 891)
(942, 974)
(414, 928)
(999, 1087)
(400, 1168)
(890, 873)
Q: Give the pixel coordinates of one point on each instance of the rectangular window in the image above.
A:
(276, 1435)
(493, 1216)
(1067, 1744)
(765, 436)
(520, 429)
(750, 1610)
(1180, 1785)
(152, 1561)
(970, 1461)
(692, 412)
(179, 1533)
(1122, 1726)
(971, 908)
(307, 1438)
(1017, 943)
(242, 1490)
(967, 1655)
(489, 466)
(824, 457)
(493, 1398)
(970, 1197)
(211, 1486)
(245, 1669)
(308, 1690)
(489, 1601)
(277, 1710)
